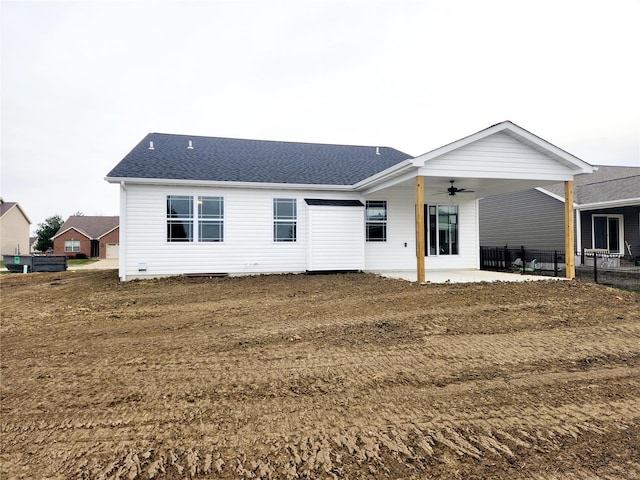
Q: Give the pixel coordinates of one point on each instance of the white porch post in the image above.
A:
(569, 252)
(420, 248)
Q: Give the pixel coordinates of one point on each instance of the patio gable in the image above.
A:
(503, 151)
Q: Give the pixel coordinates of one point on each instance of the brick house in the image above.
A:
(90, 236)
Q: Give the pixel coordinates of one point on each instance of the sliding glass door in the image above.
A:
(608, 232)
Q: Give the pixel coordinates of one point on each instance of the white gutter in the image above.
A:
(610, 204)
(552, 195)
(595, 205)
(384, 175)
(218, 183)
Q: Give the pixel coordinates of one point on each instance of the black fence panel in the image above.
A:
(609, 269)
(523, 260)
(593, 266)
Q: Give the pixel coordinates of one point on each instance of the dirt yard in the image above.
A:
(337, 376)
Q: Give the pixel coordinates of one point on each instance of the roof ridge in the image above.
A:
(324, 144)
(609, 180)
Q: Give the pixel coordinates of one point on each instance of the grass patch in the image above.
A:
(76, 262)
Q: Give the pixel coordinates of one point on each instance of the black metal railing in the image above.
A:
(612, 269)
(523, 260)
(591, 265)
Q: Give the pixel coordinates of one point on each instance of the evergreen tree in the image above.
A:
(45, 231)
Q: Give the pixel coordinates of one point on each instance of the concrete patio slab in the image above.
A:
(466, 276)
(102, 264)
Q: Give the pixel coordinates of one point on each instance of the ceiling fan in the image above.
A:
(452, 190)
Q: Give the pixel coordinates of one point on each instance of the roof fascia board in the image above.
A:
(420, 160)
(217, 183)
(390, 183)
(595, 205)
(514, 130)
(581, 165)
(9, 209)
(612, 203)
(72, 228)
(17, 205)
(108, 231)
(23, 214)
(551, 194)
(556, 177)
(386, 176)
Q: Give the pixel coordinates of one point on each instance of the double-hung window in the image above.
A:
(442, 235)
(195, 219)
(72, 245)
(285, 219)
(376, 220)
(210, 219)
(179, 218)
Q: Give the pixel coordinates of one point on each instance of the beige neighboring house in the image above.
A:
(14, 229)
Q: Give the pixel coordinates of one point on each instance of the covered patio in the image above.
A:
(447, 184)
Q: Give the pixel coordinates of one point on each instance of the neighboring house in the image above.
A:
(607, 206)
(89, 236)
(193, 204)
(14, 229)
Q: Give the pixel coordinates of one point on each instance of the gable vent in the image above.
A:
(190, 146)
(151, 146)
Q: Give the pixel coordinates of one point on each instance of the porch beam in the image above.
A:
(420, 248)
(569, 230)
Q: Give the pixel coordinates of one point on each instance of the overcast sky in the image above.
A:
(84, 82)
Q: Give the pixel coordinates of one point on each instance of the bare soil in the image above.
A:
(336, 376)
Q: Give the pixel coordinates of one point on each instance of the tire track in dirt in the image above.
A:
(390, 382)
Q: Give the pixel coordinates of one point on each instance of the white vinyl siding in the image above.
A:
(399, 250)
(468, 243)
(335, 238)
(248, 245)
(497, 156)
(285, 219)
(398, 253)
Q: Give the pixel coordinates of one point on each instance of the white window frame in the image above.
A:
(195, 219)
(283, 220)
(210, 219)
(382, 222)
(620, 218)
(428, 230)
(72, 246)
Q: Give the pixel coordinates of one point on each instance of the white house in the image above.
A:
(192, 204)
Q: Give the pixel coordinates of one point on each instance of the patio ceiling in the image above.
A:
(475, 188)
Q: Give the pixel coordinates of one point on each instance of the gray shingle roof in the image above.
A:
(604, 185)
(5, 207)
(610, 190)
(91, 226)
(237, 160)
